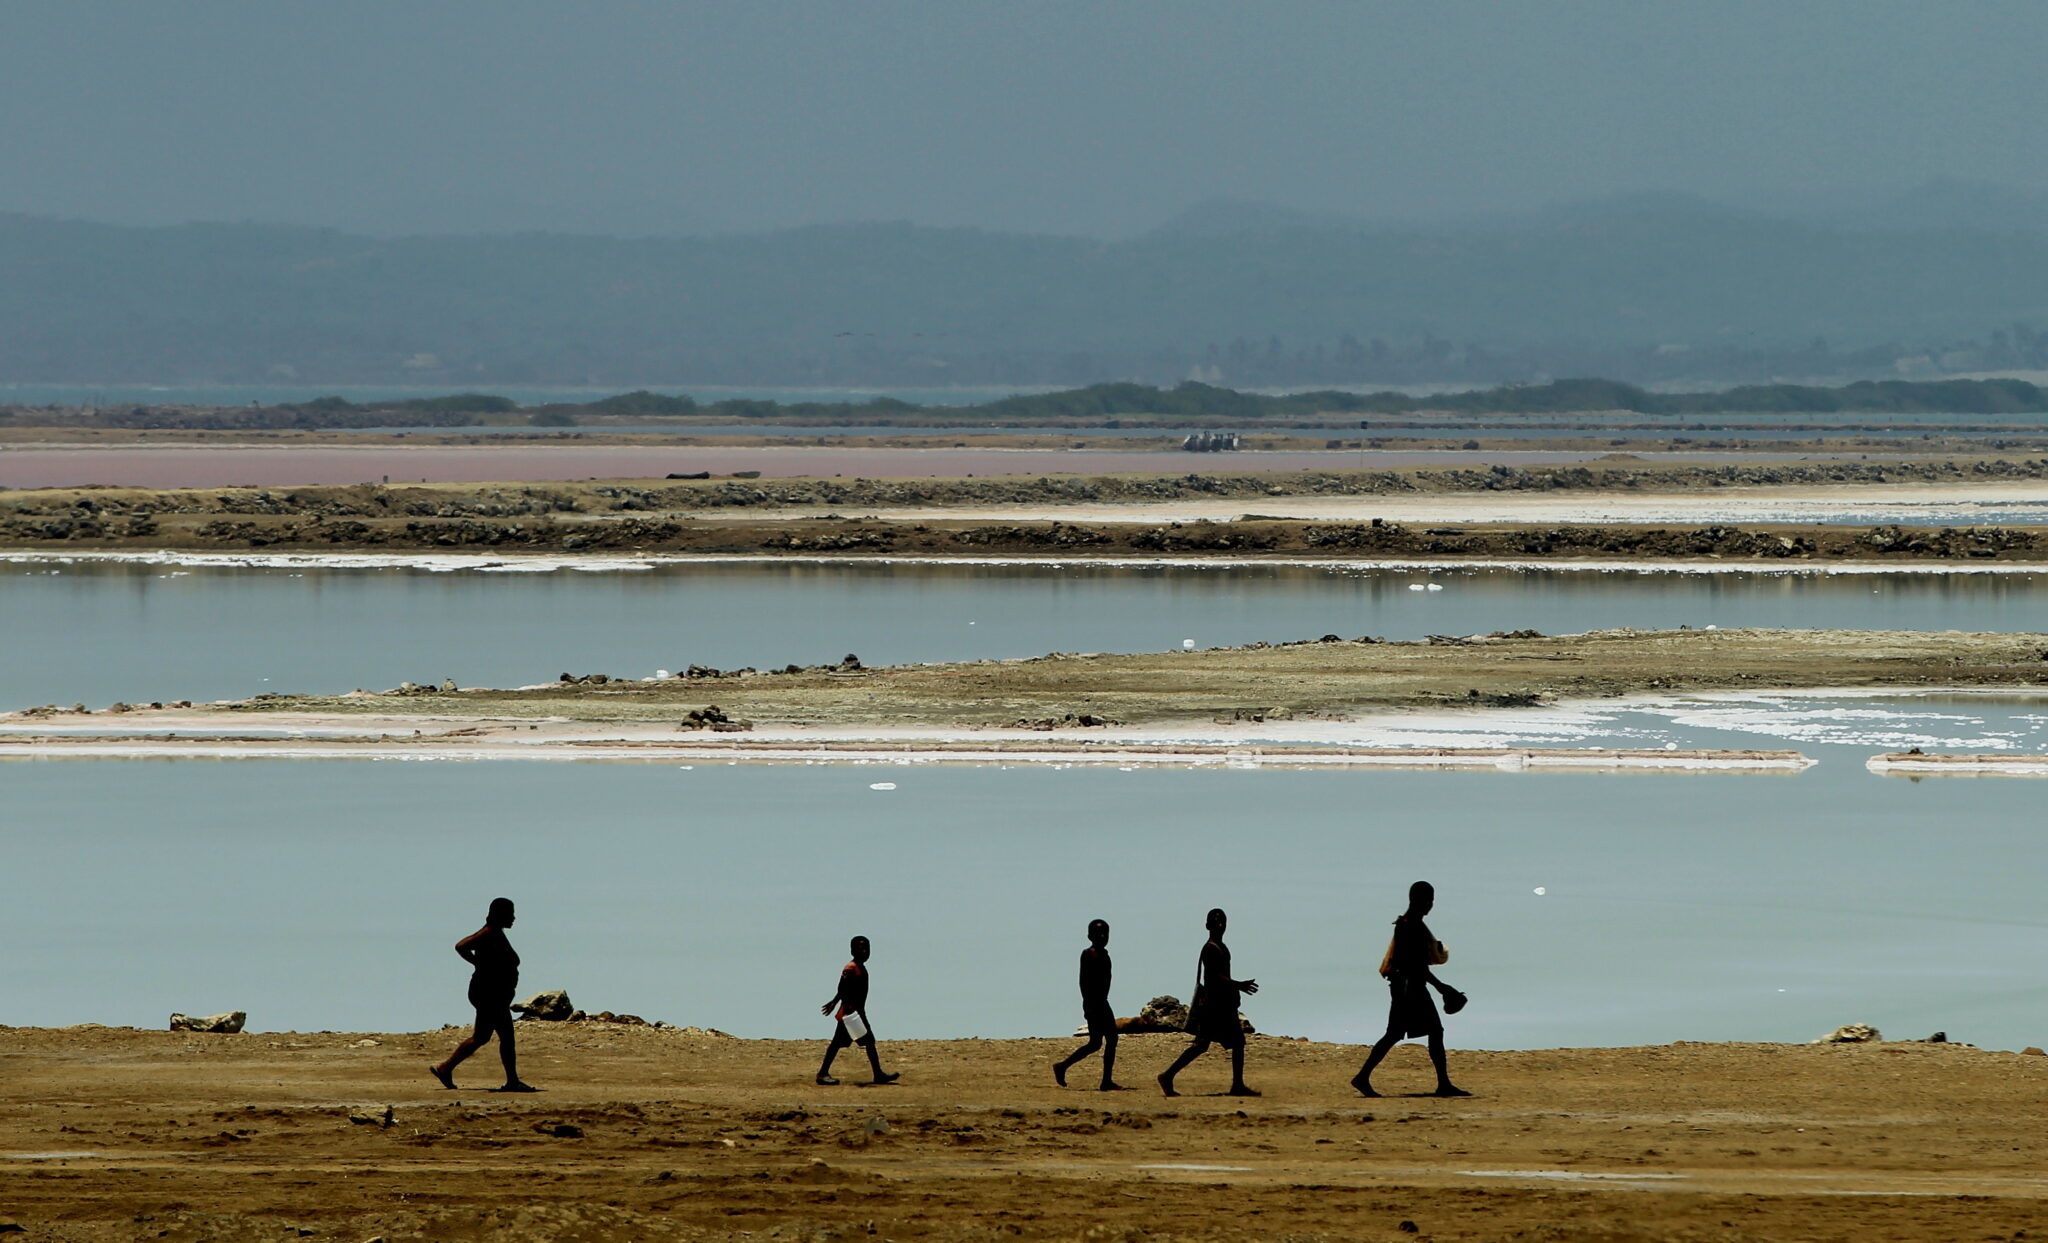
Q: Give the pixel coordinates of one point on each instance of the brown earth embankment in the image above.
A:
(1331, 676)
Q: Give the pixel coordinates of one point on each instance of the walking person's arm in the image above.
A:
(467, 946)
(1245, 986)
(1209, 967)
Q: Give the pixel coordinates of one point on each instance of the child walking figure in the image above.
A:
(1095, 1010)
(851, 1001)
(1213, 1015)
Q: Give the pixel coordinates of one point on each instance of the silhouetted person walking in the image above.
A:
(1213, 1016)
(1411, 954)
(1095, 1010)
(852, 1003)
(491, 987)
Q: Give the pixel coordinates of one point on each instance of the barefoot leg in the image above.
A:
(1363, 1080)
(1444, 1086)
(1189, 1054)
(1237, 1084)
(508, 1051)
(839, 1041)
(1060, 1069)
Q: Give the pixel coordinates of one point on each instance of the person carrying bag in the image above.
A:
(1212, 1015)
(1407, 966)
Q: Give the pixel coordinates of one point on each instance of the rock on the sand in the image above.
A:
(227, 1024)
(1164, 1013)
(552, 1006)
(1853, 1033)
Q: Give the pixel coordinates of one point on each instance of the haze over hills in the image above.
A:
(1940, 205)
(1648, 288)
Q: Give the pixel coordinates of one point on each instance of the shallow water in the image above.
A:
(97, 632)
(327, 894)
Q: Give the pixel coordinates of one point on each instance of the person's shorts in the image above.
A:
(1101, 1020)
(486, 996)
(1219, 1025)
(1412, 1011)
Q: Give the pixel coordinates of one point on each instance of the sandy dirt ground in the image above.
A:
(1330, 679)
(643, 1133)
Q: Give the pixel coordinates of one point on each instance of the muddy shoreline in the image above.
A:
(1083, 695)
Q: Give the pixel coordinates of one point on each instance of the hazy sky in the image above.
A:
(1104, 116)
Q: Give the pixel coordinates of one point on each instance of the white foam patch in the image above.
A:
(1805, 720)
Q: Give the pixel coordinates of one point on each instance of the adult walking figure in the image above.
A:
(1095, 1010)
(1213, 1015)
(1411, 954)
(491, 987)
(852, 1002)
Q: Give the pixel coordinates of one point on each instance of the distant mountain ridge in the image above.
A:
(1645, 288)
(1941, 205)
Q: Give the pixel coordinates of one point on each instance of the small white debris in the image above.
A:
(661, 674)
(1436, 586)
(1187, 645)
(1540, 891)
(1417, 587)
(1671, 746)
(881, 785)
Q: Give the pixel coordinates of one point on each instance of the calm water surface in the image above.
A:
(327, 894)
(99, 632)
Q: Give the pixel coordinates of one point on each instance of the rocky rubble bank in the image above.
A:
(383, 501)
(1250, 536)
(655, 519)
